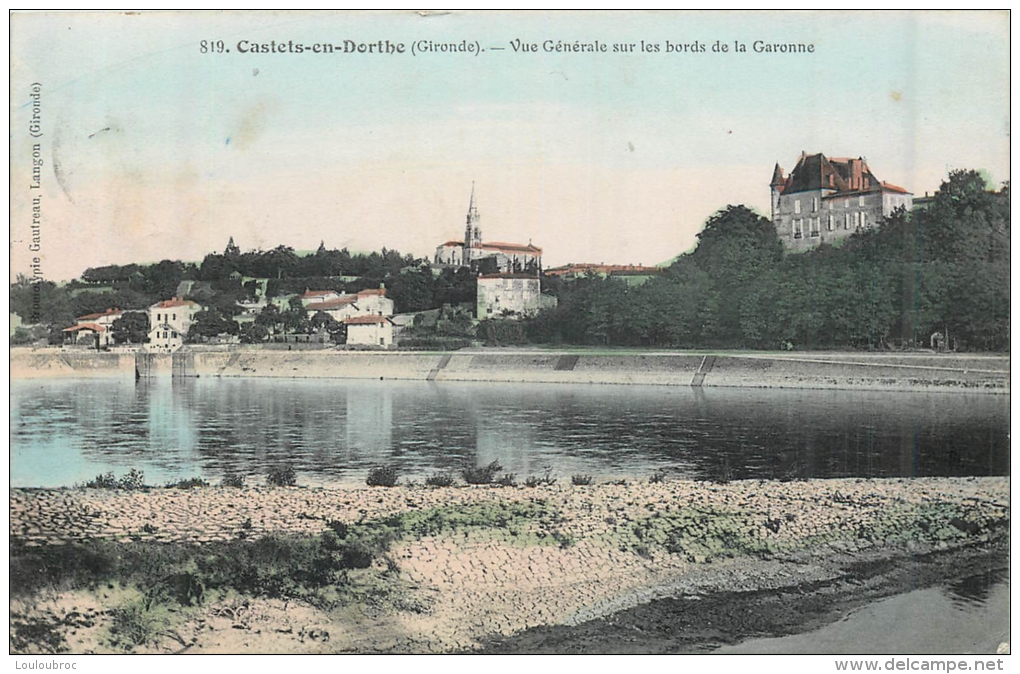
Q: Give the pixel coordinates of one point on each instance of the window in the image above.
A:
(830, 222)
(857, 219)
(157, 318)
(798, 229)
(814, 226)
(847, 204)
(814, 205)
(796, 206)
(175, 316)
(864, 219)
(830, 205)
(846, 221)
(860, 201)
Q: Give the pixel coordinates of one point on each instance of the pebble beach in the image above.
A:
(587, 551)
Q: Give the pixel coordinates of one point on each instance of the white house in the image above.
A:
(93, 328)
(370, 302)
(374, 302)
(169, 322)
(369, 330)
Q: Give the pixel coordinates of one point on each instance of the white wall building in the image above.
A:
(91, 328)
(169, 322)
(369, 331)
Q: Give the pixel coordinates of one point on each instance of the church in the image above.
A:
(496, 256)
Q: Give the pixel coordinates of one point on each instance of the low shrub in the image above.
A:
(580, 480)
(658, 476)
(383, 476)
(232, 480)
(440, 480)
(282, 476)
(481, 474)
(508, 480)
(535, 481)
(135, 479)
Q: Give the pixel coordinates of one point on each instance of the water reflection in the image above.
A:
(66, 431)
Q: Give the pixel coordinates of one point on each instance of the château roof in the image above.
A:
(840, 175)
(381, 292)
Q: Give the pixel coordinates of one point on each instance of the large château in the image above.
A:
(825, 199)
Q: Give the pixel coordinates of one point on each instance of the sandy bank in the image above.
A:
(585, 552)
(903, 372)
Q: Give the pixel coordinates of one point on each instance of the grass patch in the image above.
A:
(188, 483)
(440, 480)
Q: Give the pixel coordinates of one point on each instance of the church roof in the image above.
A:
(511, 247)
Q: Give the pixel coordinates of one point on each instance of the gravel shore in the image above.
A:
(592, 550)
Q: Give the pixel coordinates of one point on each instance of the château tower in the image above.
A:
(472, 232)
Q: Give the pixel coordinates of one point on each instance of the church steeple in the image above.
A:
(472, 231)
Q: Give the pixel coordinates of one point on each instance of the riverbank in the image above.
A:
(813, 370)
(417, 569)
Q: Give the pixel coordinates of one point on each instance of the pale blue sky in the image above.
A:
(165, 152)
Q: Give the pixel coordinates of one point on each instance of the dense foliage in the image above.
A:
(943, 268)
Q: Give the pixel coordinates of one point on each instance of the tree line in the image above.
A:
(943, 268)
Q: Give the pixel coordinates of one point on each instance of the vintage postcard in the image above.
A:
(510, 332)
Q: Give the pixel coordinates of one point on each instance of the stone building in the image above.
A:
(508, 295)
(825, 199)
(472, 251)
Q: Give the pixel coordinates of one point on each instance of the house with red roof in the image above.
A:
(169, 322)
(371, 301)
(93, 330)
(825, 199)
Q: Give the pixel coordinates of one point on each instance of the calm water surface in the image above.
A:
(969, 616)
(333, 431)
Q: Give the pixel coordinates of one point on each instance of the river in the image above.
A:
(65, 431)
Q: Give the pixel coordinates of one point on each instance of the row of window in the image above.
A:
(858, 220)
(165, 317)
(814, 204)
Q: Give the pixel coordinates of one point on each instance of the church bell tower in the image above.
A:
(472, 232)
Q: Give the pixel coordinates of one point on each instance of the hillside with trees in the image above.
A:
(943, 268)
